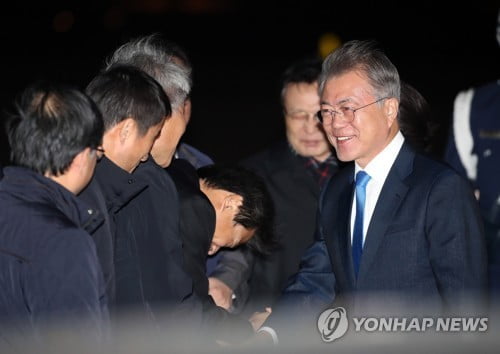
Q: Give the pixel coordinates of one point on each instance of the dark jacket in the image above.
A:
(197, 225)
(109, 191)
(48, 262)
(149, 266)
(102, 236)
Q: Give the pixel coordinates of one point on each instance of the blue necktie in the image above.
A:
(362, 179)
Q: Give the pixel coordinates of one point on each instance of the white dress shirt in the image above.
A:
(378, 169)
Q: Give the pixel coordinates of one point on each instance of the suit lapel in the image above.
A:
(344, 233)
(389, 201)
(335, 218)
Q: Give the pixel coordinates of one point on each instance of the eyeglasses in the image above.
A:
(99, 153)
(326, 116)
(300, 116)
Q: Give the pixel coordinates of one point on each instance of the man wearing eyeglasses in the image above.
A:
(294, 171)
(397, 232)
(49, 270)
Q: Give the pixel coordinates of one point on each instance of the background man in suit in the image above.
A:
(416, 239)
(294, 171)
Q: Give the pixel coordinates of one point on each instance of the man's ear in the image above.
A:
(187, 110)
(126, 128)
(391, 108)
(232, 201)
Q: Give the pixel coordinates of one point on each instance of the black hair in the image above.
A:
(52, 124)
(306, 70)
(124, 91)
(256, 211)
(415, 119)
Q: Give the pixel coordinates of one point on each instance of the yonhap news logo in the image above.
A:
(333, 324)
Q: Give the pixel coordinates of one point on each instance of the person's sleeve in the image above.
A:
(234, 267)
(308, 292)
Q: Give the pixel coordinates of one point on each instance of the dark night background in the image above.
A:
(239, 49)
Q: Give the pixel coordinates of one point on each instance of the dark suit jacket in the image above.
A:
(424, 245)
(197, 226)
(149, 266)
(425, 239)
(196, 222)
(109, 191)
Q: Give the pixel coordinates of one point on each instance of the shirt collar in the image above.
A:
(379, 167)
(118, 186)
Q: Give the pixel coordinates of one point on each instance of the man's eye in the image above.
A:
(299, 115)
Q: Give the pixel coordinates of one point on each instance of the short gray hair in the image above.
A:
(365, 57)
(150, 54)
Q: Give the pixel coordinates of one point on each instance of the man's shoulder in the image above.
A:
(487, 101)
(486, 94)
(157, 178)
(421, 162)
(196, 157)
(49, 233)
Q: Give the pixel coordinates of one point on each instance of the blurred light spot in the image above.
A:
(63, 21)
(327, 43)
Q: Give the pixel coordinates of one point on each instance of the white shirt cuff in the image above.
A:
(271, 332)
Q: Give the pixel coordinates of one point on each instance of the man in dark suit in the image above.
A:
(220, 206)
(294, 171)
(413, 241)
